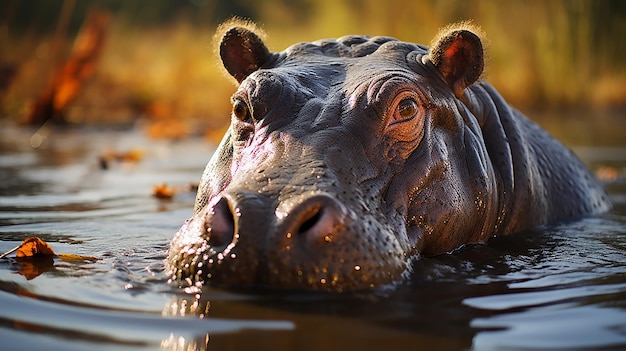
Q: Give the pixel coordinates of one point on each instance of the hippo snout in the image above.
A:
(310, 221)
(306, 240)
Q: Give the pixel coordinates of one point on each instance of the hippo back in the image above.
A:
(541, 180)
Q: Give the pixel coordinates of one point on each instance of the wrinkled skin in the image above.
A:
(347, 159)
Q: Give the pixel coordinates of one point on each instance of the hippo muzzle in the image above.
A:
(347, 159)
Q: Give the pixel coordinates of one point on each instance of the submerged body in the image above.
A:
(347, 159)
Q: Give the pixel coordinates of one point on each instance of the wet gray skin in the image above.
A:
(347, 159)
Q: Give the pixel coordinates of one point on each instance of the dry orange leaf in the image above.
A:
(607, 174)
(162, 191)
(30, 247)
(35, 247)
(34, 257)
(131, 156)
(76, 258)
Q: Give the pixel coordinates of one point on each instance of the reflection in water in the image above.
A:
(187, 306)
(195, 306)
(555, 287)
(32, 267)
(174, 343)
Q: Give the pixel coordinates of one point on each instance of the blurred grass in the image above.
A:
(542, 54)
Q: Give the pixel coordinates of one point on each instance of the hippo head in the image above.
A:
(345, 159)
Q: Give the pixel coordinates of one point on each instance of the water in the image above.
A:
(557, 287)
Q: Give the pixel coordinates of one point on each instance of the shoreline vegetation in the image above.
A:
(158, 63)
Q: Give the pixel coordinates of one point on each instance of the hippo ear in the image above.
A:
(458, 55)
(242, 52)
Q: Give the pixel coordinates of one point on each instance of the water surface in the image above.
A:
(555, 287)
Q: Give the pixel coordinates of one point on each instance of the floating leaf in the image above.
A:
(34, 257)
(76, 258)
(34, 246)
(162, 191)
(607, 174)
(128, 157)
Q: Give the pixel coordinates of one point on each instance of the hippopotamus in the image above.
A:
(348, 159)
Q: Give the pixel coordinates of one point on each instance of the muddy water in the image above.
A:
(557, 287)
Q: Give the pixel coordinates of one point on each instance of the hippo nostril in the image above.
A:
(317, 219)
(309, 223)
(220, 223)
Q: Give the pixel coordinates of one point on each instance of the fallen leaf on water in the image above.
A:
(607, 174)
(134, 155)
(131, 157)
(30, 247)
(35, 256)
(76, 258)
(163, 191)
(34, 246)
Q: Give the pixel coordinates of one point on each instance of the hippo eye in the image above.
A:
(240, 110)
(407, 108)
